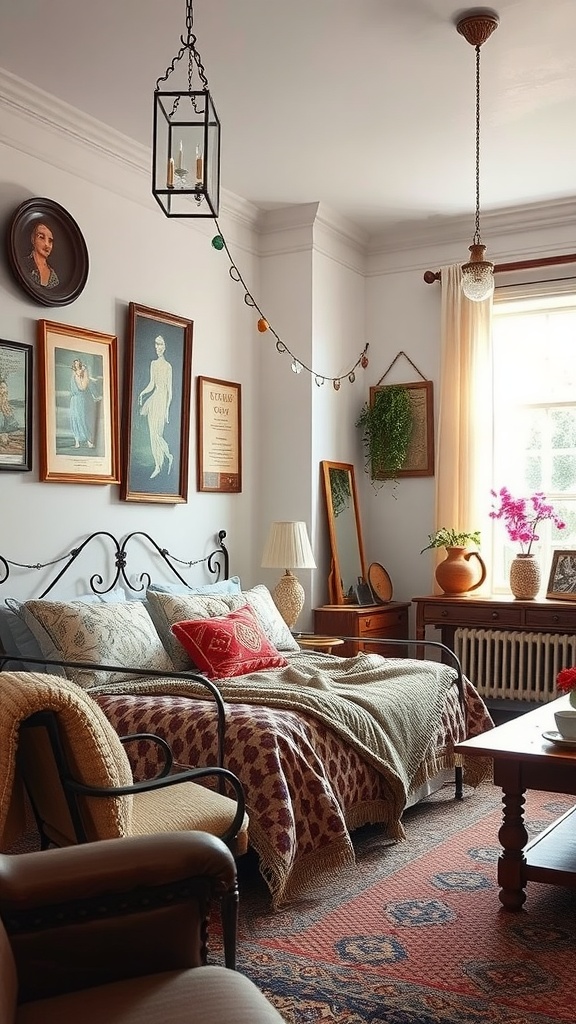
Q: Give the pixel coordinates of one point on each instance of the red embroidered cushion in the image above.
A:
(228, 645)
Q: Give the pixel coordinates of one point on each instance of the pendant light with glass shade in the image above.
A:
(478, 274)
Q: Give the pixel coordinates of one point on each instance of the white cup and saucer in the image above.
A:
(565, 733)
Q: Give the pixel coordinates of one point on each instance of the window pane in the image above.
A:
(534, 347)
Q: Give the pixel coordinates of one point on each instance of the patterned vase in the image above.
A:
(525, 578)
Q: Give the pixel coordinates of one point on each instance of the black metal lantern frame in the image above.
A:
(186, 144)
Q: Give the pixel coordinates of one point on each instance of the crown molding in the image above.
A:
(312, 226)
(81, 145)
(446, 230)
(89, 148)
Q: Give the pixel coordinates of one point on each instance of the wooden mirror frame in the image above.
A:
(340, 591)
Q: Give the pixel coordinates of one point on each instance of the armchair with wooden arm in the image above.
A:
(118, 930)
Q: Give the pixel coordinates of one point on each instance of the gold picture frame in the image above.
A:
(562, 581)
(219, 454)
(419, 459)
(78, 398)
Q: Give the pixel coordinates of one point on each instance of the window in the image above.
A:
(534, 442)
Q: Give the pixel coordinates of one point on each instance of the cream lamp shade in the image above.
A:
(288, 547)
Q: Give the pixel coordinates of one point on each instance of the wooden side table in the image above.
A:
(319, 643)
(362, 622)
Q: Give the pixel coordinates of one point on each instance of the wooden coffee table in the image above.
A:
(523, 760)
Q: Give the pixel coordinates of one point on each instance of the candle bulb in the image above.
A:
(180, 155)
(170, 173)
(198, 165)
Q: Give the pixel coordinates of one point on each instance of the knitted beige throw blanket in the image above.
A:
(92, 745)
(388, 710)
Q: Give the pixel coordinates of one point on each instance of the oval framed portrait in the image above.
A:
(47, 252)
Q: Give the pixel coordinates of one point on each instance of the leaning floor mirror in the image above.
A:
(348, 568)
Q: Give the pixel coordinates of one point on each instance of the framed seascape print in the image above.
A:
(419, 459)
(156, 413)
(562, 582)
(78, 391)
(15, 406)
(47, 252)
(219, 435)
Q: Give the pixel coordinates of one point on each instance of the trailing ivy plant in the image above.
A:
(387, 430)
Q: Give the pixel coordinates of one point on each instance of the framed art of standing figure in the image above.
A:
(156, 412)
(15, 406)
(78, 372)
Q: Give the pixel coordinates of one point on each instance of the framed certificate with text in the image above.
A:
(219, 435)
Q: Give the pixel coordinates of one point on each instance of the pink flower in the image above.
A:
(566, 680)
(522, 515)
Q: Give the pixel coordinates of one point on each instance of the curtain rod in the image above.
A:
(431, 276)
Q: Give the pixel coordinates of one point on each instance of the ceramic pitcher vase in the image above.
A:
(461, 571)
(525, 577)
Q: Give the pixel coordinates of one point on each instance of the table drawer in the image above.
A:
(544, 619)
(377, 624)
(475, 615)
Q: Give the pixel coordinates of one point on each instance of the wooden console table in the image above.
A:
(471, 612)
(362, 622)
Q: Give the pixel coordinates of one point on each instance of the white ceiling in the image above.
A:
(365, 105)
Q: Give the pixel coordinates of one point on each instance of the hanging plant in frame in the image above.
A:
(398, 431)
(386, 423)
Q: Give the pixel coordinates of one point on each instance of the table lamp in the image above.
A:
(288, 547)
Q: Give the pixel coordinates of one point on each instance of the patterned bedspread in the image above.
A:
(306, 787)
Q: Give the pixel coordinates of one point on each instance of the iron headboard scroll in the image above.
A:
(217, 563)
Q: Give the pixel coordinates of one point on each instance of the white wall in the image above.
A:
(136, 254)
(313, 291)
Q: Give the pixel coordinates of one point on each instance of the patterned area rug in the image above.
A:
(415, 934)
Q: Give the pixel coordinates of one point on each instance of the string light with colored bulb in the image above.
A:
(263, 325)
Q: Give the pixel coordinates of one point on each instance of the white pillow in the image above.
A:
(166, 609)
(112, 634)
(272, 623)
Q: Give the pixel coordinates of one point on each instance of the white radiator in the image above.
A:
(512, 665)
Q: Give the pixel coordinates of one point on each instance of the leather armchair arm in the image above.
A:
(113, 909)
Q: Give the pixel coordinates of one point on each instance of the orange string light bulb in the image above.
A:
(262, 325)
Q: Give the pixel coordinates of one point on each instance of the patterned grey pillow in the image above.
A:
(273, 625)
(166, 609)
(112, 634)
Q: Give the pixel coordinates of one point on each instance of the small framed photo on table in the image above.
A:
(219, 436)
(15, 406)
(78, 371)
(562, 582)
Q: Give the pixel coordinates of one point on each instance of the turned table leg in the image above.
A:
(511, 863)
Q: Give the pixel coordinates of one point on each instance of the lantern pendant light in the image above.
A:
(186, 142)
(478, 274)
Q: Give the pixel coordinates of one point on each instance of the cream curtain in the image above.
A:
(464, 435)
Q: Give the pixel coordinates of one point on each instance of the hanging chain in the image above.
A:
(189, 46)
(477, 221)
